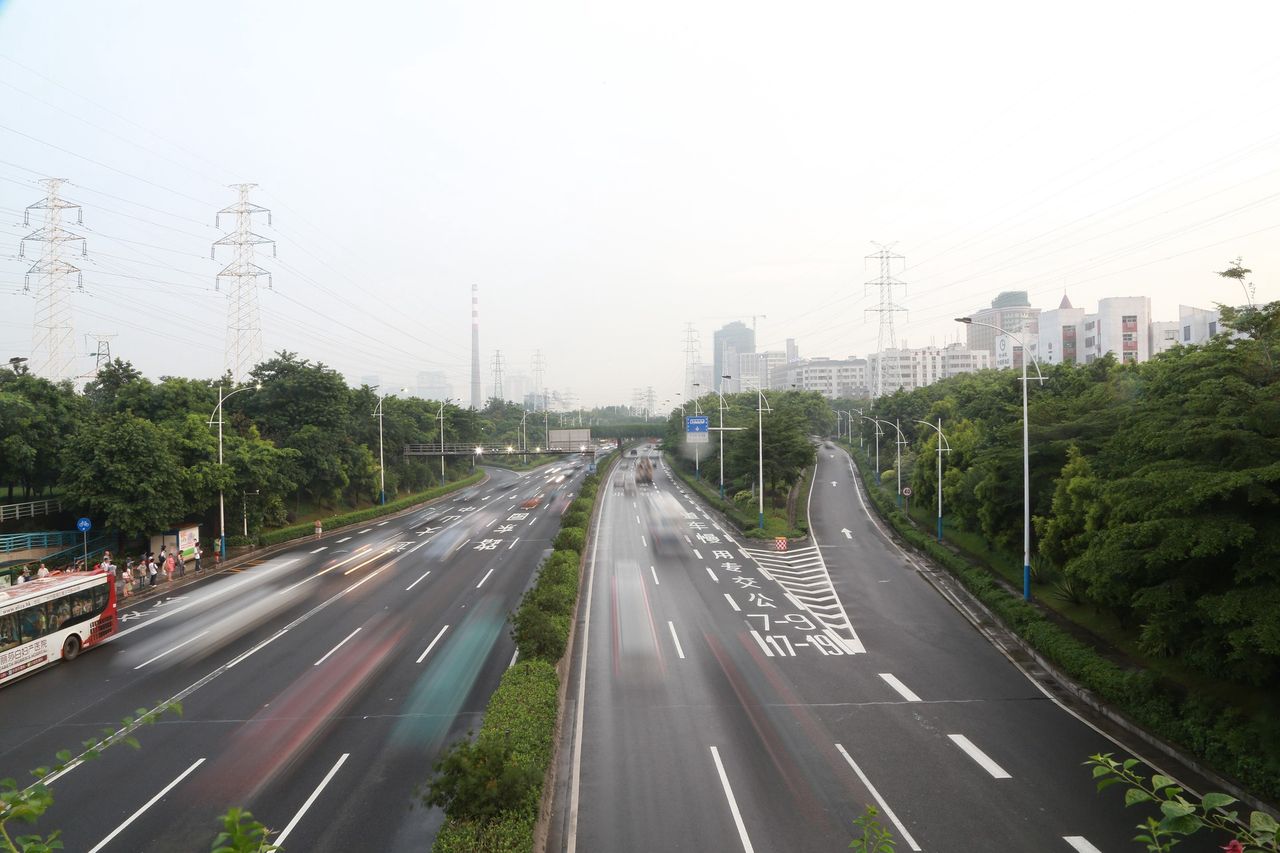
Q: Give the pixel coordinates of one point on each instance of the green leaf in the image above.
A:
(1101, 771)
(1262, 822)
(1216, 801)
(1107, 783)
(1176, 808)
(1133, 796)
(1161, 781)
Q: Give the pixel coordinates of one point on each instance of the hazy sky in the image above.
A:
(607, 172)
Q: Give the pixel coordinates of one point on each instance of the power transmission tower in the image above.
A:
(692, 358)
(497, 376)
(101, 352)
(886, 309)
(476, 402)
(244, 323)
(52, 348)
(539, 367)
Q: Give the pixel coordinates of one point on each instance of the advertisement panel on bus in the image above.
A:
(53, 618)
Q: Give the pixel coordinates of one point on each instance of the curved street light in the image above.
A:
(1026, 452)
(943, 444)
(897, 458)
(878, 434)
(222, 504)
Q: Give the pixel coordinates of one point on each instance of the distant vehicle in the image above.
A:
(644, 471)
(532, 503)
(54, 618)
(633, 452)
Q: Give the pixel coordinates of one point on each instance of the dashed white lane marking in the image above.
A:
(656, 582)
(318, 550)
(643, 542)
(996, 771)
(418, 581)
(732, 603)
(174, 649)
(335, 648)
(380, 523)
(713, 575)
(485, 578)
(768, 652)
(1080, 844)
(903, 690)
(697, 553)
(733, 804)
(513, 543)
(328, 777)
(343, 539)
(366, 530)
(906, 836)
(151, 802)
(675, 639)
(432, 645)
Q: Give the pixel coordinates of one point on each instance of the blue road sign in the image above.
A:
(84, 525)
(700, 423)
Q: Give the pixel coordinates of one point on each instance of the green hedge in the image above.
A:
(298, 531)
(522, 714)
(1243, 748)
(524, 709)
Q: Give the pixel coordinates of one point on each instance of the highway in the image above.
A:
(318, 686)
(724, 696)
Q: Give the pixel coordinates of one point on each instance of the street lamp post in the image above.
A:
(382, 468)
(762, 405)
(942, 440)
(878, 434)
(245, 498)
(222, 504)
(897, 450)
(722, 407)
(524, 440)
(1026, 452)
(697, 455)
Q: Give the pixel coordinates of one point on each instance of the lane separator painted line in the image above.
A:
(732, 603)
(318, 550)
(532, 522)
(174, 649)
(903, 690)
(335, 648)
(368, 561)
(423, 656)
(418, 581)
(278, 840)
(1080, 844)
(656, 582)
(514, 655)
(713, 574)
(760, 641)
(380, 523)
(343, 539)
(697, 553)
(675, 639)
(733, 804)
(513, 543)
(151, 802)
(277, 635)
(979, 756)
(643, 542)
(906, 836)
(485, 578)
(366, 530)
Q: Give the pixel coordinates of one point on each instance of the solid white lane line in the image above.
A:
(279, 840)
(368, 561)
(903, 690)
(318, 550)
(713, 575)
(656, 582)
(733, 804)
(423, 656)
(151, 802)
(485, 578)
(335, 648)
(343, 539)
(675, 639)
(732, 603)
(513, 543)
(357, 555)
(174, 649)
(884, 807)
(1080, 844)
(979, 756)
(418, 581)
(277, 635)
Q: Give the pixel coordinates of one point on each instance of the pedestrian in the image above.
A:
(126, 579)
(180, 563)
(152, 571)
(168, 567)
(198, 555)
(43, 571)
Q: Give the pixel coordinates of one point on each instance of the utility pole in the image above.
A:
(476, 401)
(497, 376)
(244, 323)
(886, 309)
(539, 367)
(52, 347)
(692, 358)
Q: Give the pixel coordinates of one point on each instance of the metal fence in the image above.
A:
(11, 542)
(30, 509)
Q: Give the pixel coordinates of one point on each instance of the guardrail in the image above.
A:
(11, 542)
(483, 450)
(30, 509)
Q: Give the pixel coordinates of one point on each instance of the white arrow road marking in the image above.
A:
(833, 482)
(848, 534)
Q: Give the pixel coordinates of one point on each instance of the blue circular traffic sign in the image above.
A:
(84, 525)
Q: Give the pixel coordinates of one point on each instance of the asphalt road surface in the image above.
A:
(736, 698)
(318, 686)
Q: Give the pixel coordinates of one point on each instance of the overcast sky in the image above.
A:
(607, 172)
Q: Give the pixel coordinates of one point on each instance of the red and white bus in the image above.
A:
(53, 618)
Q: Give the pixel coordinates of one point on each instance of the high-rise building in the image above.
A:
(793, 351)
(1059, 338)
(1122, 325)
(756, 368)
(730, 341)
(1011, 311)
(832, 378)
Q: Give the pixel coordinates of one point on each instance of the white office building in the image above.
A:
(755, 368)
(1010, 310)
(832, 378)
(908, 369)
(1197, 325)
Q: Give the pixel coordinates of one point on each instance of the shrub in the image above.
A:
(570, 539)
(574, 519)
(479, 779)
(539, 634)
